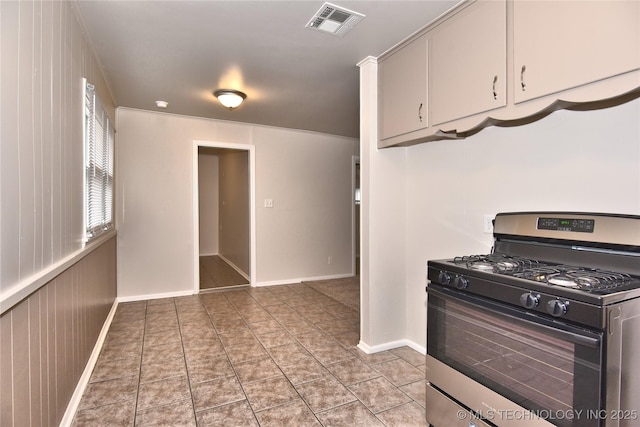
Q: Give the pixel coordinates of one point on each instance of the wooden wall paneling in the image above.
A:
(65, 141)
(35, 361)
(24, 104)
(57, 200)
(76, 141)
(46, 339)
(36, 126)
(58, 346)
(52, 333)
(44, 356)
(81, 283)
(65, 386)
(9, 148)
(6, 371)
(20, 357)
(46, 131)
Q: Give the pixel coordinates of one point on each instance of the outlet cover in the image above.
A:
(488, 223)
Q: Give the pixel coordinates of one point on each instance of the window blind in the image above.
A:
(99, 135)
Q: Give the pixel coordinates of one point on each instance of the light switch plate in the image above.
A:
(488, 223)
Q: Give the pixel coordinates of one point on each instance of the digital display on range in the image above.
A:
(567, 224)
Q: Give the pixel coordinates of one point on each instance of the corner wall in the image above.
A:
(306, 174)
(235, 209)
(208, 202)
(580, 161)
(428, 201)
(383, 230)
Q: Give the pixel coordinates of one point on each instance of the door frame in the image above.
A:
(196, 207)
(356, 233)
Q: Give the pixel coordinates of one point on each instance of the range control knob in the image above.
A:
(530, 300)
(557, 308)
(444, 278)
(460, 282)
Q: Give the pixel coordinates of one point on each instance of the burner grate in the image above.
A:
(568, 276)
(497, 263)
(588, 279)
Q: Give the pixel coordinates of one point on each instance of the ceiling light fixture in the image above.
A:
(162, 104)
(230, 98)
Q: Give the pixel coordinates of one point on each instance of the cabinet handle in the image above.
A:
(495, 80)
(522, 84)
(420, 112)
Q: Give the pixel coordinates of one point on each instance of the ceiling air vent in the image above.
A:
(334, 20)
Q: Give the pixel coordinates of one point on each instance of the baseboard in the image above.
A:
(391, 345)
(156, 296)
(303, 279)
(203, 254)
(72, 407)
(235, 267)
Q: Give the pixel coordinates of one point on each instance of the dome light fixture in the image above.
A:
(230, 98)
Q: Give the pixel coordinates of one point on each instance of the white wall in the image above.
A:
(382, 210)
(208, 201)
(308, 176)
(576, 161)
(235, 209)
(572, 161)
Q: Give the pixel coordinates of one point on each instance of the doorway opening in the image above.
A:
(224, 215)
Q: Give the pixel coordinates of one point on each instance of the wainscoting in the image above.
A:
(47, 339)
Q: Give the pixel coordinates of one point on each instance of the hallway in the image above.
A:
(216, 273)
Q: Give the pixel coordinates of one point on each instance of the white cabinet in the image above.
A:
(468, 62)
(492, 62)
(403, 90)
(559, 45)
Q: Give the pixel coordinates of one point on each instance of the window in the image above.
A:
(98, 163)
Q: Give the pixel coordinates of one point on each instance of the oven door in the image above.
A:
(548, 369)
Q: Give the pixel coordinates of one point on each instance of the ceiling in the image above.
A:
(294, 77)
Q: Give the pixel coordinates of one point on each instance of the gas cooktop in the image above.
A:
(571, 266)
(593, 280)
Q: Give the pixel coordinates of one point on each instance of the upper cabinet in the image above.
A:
(561, 45)
(468, 62)
(402, 90)
(508, 62)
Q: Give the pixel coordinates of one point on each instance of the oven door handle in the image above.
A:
(550, 327)
(572, 337)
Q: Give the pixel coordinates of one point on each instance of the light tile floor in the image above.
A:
(274, 356)
(216, 273)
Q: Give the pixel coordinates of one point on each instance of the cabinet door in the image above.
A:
(467, 63)
(560, 45)
(403, 90)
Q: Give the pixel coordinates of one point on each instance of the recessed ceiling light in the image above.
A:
(162, 104)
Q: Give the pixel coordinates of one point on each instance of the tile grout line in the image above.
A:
(235, 372)
(184, 357)
(260, 311)
(328, 373)
(144, 333)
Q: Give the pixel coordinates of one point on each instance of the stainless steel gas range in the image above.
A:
(544, 330)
